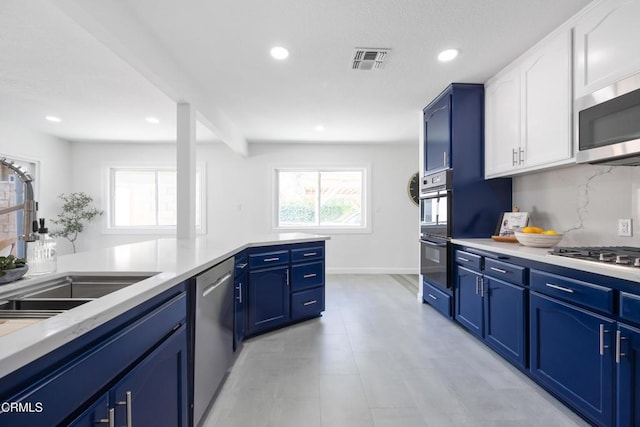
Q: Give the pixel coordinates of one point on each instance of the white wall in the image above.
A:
(53, 161)
(584, 201)
(239, 195)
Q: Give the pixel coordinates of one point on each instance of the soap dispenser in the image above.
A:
(41, 254)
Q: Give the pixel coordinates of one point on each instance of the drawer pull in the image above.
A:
(242, 266)
(310, 254)
(602, 332)
(308, 276)
(433, 297)
(463, 259)
(499, 270)
(310, 302)
(272, 259)
(560, 288)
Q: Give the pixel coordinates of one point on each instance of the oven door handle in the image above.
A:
(440, 245)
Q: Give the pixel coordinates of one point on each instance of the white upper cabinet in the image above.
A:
(607, 45)
(528, 111)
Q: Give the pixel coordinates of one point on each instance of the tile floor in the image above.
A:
(377, 357)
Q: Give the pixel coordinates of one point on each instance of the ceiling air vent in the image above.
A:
(369, 59)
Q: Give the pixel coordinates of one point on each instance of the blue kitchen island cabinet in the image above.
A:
(285, 285)
(572, 354)
(134, 364)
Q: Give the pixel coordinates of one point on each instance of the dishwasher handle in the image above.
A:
(217, 283)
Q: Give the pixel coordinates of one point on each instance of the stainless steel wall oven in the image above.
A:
(435, 235)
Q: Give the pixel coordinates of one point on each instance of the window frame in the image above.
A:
(366, 199)
(108, 226)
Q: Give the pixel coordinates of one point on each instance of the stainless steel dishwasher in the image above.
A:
(213, 344)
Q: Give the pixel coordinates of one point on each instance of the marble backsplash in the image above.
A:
(583, 201)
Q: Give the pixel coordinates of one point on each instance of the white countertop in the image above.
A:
(174, 260)
(542, 255)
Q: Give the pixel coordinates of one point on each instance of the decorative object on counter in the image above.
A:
(540, 239)
(41, 254)
(12, 268)
(77, 210)
(509, 223)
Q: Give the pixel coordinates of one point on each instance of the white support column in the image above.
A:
(186, 167)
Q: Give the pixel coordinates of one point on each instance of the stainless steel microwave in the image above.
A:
(607, 124)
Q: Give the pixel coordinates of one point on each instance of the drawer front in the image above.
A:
(571, 290)
(469, 260)
(307, 254)
(630, 307)
(305, 276)
(268, 259)
(439, 300)
(307, 303)
(505, 271)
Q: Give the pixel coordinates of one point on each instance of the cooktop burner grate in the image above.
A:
(621, 255)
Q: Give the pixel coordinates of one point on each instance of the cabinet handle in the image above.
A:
(287, 278)
(521, 156)
(481, 287)
(514, 160)
(239, 297)
(619, 339)
(463, 259)
(444, 159)
(499, 270)
(310, 254)
(277, 258)
(602, 346)
(560, 288)
(310, 302)
(127, 404)
(111, 420)
(433, 297)
(243, 265)
(308, 276)
(477, 285)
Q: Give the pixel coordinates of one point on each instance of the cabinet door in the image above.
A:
(154, 393)
(572, 353)
(502, 123)
(468, 300)
(547, 103)
(99, 414)
(268, 297)
(437, 135)
(240, 301)
(606, 45)
(504, 319)
(628, 346)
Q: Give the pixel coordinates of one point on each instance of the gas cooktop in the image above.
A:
(619, 255)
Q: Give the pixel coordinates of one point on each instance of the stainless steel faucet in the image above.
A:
(29, 206)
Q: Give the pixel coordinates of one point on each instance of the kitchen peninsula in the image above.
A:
(135, 335)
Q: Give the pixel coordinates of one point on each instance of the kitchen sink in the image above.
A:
(55, 296)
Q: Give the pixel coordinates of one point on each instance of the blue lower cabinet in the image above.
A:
(469, 304)
(572, 353)
(628, 375)
(436, 298)
(504, 319)
(268, 298)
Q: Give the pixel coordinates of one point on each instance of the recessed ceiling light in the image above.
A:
(319, 128)
(279, 52)
(447, 55)
(53, 119)
(153, 120)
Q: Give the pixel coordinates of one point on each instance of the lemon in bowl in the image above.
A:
(538, 239)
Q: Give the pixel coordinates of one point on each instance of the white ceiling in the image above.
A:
(103, 66)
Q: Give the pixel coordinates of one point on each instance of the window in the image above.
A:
(144, 198)
(324, 198)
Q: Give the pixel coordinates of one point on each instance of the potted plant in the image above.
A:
(12, 268)
(77, 210)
